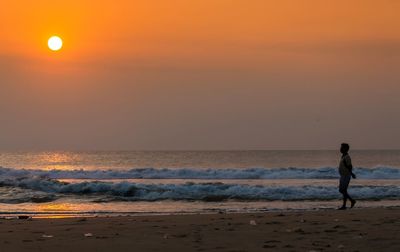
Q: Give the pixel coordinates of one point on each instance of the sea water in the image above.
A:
(71, 183)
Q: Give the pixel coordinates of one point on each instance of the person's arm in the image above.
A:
(348, 165)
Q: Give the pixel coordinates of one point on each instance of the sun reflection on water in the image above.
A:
(57, 160)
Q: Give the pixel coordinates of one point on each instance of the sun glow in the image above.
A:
(55, 43)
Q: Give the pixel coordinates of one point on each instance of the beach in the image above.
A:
(197, 201)
(362, 229)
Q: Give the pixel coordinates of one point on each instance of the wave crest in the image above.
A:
(197, 191)
(187, 173)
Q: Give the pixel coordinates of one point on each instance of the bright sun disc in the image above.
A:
(55, 43)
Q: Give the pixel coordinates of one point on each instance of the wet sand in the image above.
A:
(373, 229)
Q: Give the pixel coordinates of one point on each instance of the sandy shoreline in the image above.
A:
(369, 229)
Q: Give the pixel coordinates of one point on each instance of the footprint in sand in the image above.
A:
(272, 241)
(269, 246)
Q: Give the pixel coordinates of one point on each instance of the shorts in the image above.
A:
(344, 183)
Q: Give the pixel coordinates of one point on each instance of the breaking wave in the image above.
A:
(126, 191)
(21, 185)
(187, 173)
(15, 195)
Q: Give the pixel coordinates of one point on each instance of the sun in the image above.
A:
(55, 43)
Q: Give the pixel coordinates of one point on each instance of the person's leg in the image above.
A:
(353, 202)
(344, 183)
(345, 196)
(344, 200)
(348, 196)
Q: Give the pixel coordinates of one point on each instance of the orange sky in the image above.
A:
(161, 28)
(183, 72)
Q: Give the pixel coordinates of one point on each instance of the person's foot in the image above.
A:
(353, 202)
(342, 208)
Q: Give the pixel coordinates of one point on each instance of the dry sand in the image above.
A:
(325, 230)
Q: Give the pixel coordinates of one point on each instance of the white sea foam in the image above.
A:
(195, 191)
(42, 185)
(187, 173)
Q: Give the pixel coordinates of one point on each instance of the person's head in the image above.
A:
(344, 148)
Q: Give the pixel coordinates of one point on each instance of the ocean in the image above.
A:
(104, 183)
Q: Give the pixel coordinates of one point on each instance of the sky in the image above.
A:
(200, 75)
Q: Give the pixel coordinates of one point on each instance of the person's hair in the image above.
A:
(346, 146)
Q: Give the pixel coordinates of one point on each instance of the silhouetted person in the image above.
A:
(346, 173)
